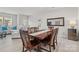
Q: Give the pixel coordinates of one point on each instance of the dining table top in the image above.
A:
(41, 34)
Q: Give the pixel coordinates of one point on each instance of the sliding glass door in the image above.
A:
(8, 21)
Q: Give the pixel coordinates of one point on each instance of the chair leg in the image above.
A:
(23, 49)
(49, 48)
(53, 45)
(38, 48)
(56, 40)
(30, 50)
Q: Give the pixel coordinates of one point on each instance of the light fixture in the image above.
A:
(72, 23)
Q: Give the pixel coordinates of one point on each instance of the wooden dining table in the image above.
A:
(41, 35)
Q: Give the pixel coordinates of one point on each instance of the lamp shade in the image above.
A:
(72, 23)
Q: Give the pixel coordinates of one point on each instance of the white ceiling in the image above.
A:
(28, 10)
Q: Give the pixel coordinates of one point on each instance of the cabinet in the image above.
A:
(72, 34)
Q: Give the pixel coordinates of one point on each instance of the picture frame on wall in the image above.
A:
(55, 21)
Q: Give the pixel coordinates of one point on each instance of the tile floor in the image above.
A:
(15, 45)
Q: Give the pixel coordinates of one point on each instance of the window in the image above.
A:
(8, 21)
(1, 20)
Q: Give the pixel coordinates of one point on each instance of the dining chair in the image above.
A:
(47, 41)
(28, 44)
(50, 40)
(54, 39)
(56, 35)
(33, 29)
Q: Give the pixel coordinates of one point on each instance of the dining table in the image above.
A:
(41, 35)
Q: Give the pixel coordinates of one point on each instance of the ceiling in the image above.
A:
(28, 10)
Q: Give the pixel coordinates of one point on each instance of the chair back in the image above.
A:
(54, 36)
(4, 28)
(56, 31)
(14, 28)
(50, 36)
(24, 37)
(33, 29)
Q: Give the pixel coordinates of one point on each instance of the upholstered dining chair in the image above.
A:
(28, 44)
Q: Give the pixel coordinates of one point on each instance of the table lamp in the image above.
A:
(72, 23)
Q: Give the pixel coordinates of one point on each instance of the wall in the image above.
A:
(33, 21)
(78, 22)
(22, 21)
(67, 13)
